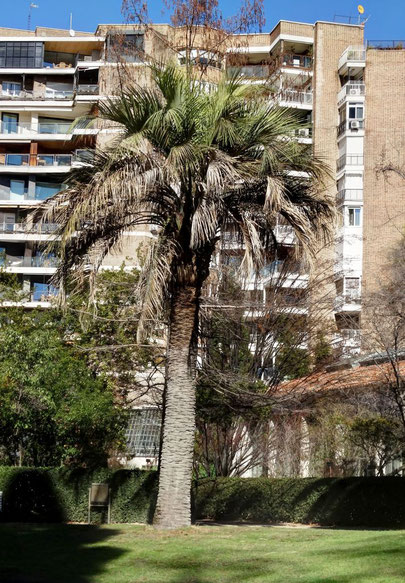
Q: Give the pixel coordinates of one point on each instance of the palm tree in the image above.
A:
(194, 163)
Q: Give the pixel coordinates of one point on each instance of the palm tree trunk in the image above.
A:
(173, 509)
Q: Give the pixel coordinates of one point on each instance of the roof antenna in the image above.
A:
(32, 5)
(71, 31)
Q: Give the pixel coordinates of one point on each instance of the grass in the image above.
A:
(139, 554)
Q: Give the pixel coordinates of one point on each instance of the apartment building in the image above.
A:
(348, 95)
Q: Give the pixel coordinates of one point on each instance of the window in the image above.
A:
(354, 217)
(356, 111)
(143, 432)
(11, 88)
(9, 123)
(125, 47)
(44, 190)
(21, 55)
(17, 189)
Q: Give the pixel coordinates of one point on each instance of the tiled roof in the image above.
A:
(360, 377)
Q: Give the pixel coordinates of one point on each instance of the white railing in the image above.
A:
(349, 160)
(350, 194)
(353, 54)
(298, 97)
(351, 89)
(350, 297)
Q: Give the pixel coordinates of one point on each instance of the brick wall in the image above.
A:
(384, 198)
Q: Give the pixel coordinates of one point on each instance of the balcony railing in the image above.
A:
(351, 89)
(249, 71)
(26, 228)
(299, 97)
(21, 261)
(349, 160)
(351, 125)
(295, 61)
(36, 160)
(350, 297)
(44, 292)
(45, 128)
(88, 89)
(349, 194)
(353, 56)
(49, 94)
(303, 133)
(389, 45)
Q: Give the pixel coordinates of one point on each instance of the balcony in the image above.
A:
(36, 229)
(350, 194)
(49, 95)
(93, 89)
(42, 130)
(249, 71)
(293, 97)
(349, 160)
(350, 301)
(31, 163)
(292, 61)
(45, 264)
(352, 126)
(351, 89)
(354, 58)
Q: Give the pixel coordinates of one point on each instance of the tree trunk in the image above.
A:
(173, 508)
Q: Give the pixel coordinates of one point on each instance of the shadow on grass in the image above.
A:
(48, 553)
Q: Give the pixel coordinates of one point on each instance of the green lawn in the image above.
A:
(129, 554)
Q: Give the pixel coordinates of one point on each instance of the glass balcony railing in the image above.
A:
(92, 89)
(36, 160)
(26, 228)
(350, 194)
(249, 71)
(50, 94)
(353, 56)
(44, 292)
(21, 261)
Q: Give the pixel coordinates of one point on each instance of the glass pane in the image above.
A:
(10, 123)
(17, 188)
(44, 191)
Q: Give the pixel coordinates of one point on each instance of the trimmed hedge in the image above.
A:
(61, 495)
(371, 502)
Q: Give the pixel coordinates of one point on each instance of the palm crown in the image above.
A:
(194, 163)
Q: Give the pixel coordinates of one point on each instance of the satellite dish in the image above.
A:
(360, 8)
(72, 32)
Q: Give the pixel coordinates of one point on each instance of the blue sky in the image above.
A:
(386, 22)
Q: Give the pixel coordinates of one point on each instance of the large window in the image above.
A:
(143, 433)
(44, 190)
(11, 88)
(125, 47)
(21, 55)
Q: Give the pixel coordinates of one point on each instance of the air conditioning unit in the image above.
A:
(355, 91)
(304, 133)
(354, 125)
